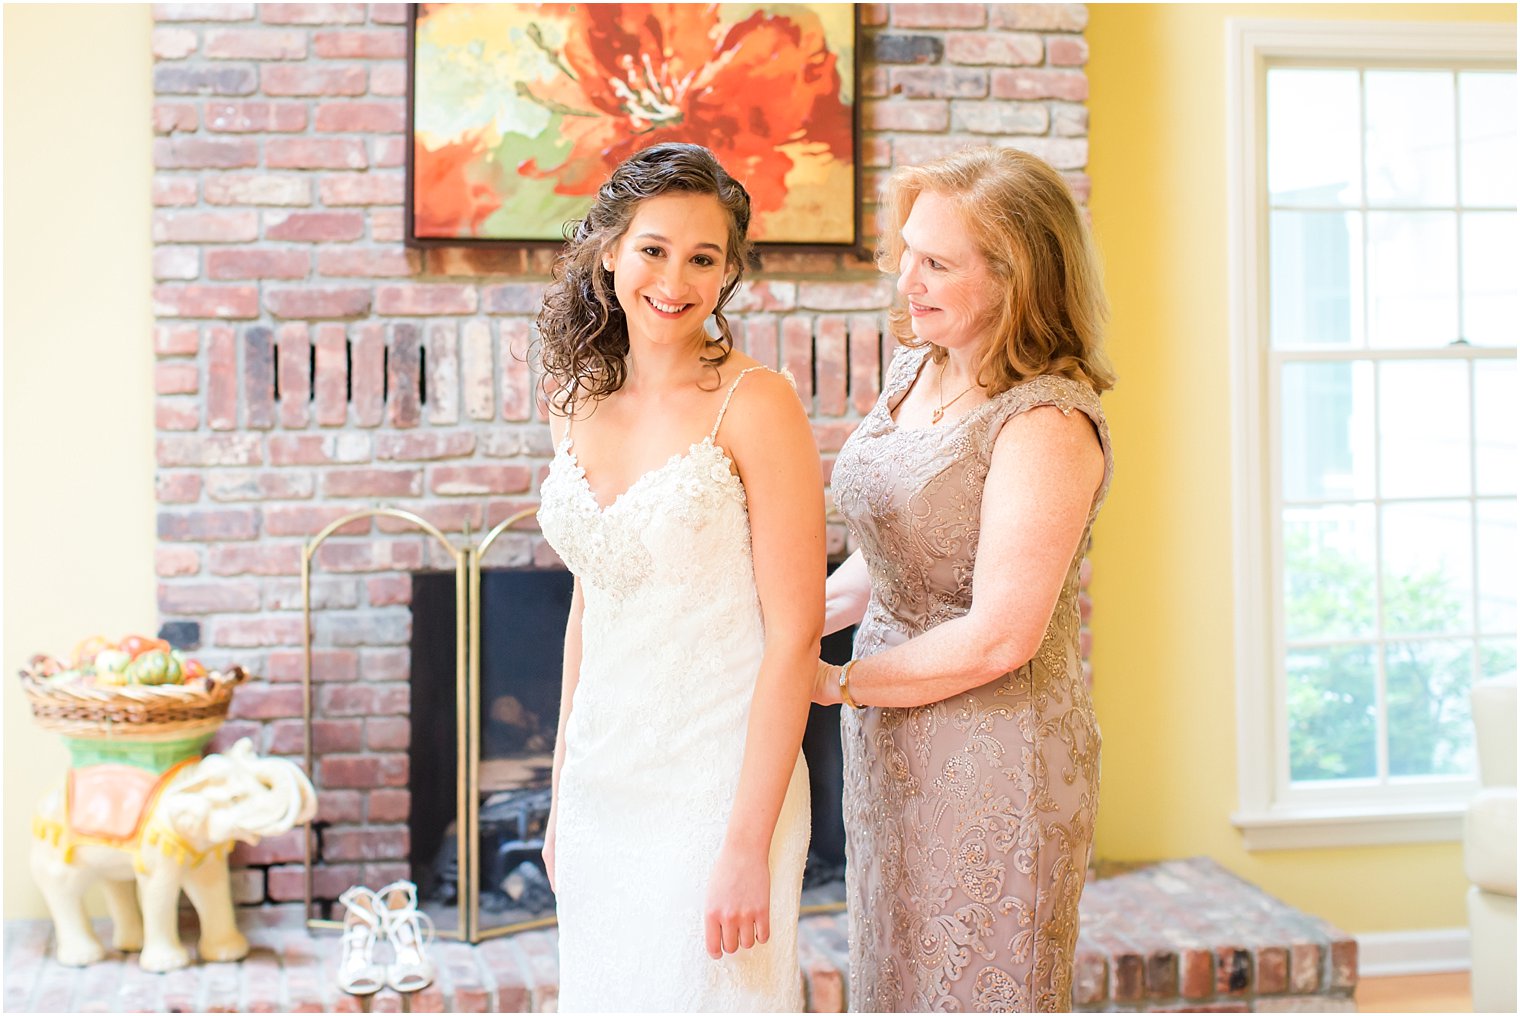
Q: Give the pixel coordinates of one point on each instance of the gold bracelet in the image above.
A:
(844, 686)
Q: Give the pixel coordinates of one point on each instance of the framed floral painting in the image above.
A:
(518, 112)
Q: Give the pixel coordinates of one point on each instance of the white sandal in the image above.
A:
(410, 932)
(358, 973)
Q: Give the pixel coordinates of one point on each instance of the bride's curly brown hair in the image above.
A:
(582, 332)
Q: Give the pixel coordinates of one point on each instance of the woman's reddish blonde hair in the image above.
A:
(1026, 223)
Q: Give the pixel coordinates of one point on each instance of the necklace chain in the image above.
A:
(939, 414)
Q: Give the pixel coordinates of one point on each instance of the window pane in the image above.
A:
(1497, 566)
(1330, 572)
(1497, 422)
(1427, 568)
(1332, 727)
(1496, 657)
(1316, 279)
(1424, 429)
(1411, 138)
(1429, 715)
(1411, 279)
(1327, 430)
(1312, 126)
(1488, 138)
(1490, 275)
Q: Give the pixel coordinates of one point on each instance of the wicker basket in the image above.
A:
(134, 712)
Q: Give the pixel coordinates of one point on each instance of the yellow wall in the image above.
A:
(1163, 591)
(78, 389)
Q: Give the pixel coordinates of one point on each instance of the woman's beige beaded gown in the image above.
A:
(969, 822)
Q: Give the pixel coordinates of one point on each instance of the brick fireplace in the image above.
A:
(309, 364)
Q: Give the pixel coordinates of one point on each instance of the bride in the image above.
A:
(685, 497)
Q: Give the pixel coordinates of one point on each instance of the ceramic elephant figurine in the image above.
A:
(186, 823)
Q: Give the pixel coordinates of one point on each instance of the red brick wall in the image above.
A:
(279, 155)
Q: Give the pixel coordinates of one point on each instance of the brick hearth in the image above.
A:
(1171, 937)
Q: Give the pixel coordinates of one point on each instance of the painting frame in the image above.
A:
(840, 230)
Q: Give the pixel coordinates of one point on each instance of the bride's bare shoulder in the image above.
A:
(764, 406)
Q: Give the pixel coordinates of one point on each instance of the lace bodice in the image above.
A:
(615, 549)
(913, 496)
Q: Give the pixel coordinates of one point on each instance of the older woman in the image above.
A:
(971, 748)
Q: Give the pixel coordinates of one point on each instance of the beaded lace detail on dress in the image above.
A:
(671, 643)
(970, 820)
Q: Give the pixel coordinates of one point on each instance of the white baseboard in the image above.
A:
(1398, 953)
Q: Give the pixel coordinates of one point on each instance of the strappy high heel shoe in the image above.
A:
(410, 932)
(358, 972)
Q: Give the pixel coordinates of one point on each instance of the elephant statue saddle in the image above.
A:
(109, 796)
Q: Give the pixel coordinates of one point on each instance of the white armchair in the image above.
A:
(1488, 841)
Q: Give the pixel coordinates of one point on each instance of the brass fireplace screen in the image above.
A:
(467, 569)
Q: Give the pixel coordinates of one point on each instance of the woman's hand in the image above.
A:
(738, 901)
(826, 685)
(548, 851)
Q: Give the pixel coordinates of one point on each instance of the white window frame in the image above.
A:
(1267, 816)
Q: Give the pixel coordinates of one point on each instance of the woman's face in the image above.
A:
(951, 292)
(670, 265)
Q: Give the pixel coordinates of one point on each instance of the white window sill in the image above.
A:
(1296, 828)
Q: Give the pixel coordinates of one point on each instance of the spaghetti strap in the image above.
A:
(731, 389)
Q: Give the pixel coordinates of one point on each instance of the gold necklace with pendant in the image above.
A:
(939, 414)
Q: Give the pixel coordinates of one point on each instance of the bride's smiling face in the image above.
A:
(668, 269)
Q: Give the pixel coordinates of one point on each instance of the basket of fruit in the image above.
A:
(137, 689)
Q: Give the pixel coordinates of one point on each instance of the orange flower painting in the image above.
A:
(520, 111)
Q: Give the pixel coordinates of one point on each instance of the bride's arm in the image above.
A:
(847, 593)
(570, 676)
(768, 435)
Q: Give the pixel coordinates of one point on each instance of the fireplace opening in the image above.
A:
(522, 623)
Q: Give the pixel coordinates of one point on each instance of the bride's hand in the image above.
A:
(738, 901)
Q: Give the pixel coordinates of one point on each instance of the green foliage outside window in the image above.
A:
(1332, 706)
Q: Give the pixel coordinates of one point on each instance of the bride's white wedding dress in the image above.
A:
(671, 642)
